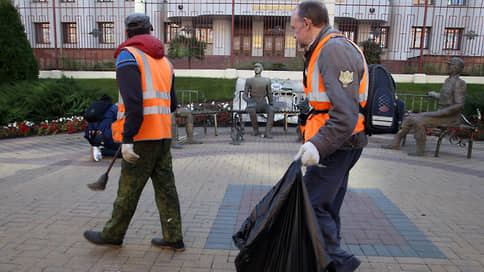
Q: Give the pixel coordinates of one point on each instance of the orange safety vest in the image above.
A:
(319, 100)
(156, 75)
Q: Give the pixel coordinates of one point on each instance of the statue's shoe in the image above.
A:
(390, 146)
(194, 141)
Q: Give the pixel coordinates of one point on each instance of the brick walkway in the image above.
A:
(401, 214)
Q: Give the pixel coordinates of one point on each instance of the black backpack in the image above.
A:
(383, 111)
(95, 111)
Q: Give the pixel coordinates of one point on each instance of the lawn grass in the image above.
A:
(411, 88)
(214, 89)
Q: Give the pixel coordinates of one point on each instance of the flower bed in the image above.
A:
(458, 133)
(26, 128)
(223, 114)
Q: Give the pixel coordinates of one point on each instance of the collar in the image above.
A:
(325, 31)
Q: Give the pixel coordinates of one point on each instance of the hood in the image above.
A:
(146, 43)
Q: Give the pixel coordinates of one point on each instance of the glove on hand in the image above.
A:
(128, 153)
(309, 154)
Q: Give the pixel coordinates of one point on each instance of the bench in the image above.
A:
(283, 104)
(195, 101)
(237, 115)
(461, 134)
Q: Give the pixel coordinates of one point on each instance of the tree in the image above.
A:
(372, 51)
(17, 60)
(182, 46)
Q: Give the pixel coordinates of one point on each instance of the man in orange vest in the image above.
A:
(147, 98)
(335, 82)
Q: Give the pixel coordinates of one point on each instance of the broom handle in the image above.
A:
(114, 159)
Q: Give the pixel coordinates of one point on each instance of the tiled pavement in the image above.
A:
(401, 213)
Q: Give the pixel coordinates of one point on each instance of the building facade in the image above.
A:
(413, 35)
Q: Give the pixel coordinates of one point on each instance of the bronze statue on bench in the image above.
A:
(451, 102)
(256, 90)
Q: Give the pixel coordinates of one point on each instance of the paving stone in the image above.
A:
(45, 205)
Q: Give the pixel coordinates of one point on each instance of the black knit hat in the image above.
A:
(137, 21)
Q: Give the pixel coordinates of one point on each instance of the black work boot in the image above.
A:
(95, 238)
(178, 246)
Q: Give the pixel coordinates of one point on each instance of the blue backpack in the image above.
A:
(383, 111)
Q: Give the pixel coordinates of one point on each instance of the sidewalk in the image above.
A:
(401, 213)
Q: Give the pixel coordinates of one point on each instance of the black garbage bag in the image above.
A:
(281, 233)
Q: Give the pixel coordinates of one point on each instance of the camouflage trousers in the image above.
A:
(155, 162)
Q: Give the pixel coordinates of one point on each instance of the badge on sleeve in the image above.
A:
(345, 78)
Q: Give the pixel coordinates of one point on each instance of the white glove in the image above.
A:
(309, 154)
(128, 153)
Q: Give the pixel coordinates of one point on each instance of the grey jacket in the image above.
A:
(338, 55)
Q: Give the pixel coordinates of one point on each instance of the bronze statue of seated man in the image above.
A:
(451, 102)
(256, 90)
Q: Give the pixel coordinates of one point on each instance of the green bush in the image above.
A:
(190, 47)
(372, 51)
(17, 59)
(44, 100)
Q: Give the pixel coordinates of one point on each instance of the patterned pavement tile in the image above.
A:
(371, 224)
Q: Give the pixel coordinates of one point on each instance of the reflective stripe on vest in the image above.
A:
(318, 97)
(156, 76)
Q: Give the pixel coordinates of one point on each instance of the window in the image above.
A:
(380, 35)
(457, 2)
(106, 32)
(42, 33)
(349, 34)
(453, 38)
(204, 34)
(40, 1)
(171, 31)
(68, 1)
(69, 33)
(349, 28)
(105, 0)
(422, 2)
(417, 32)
